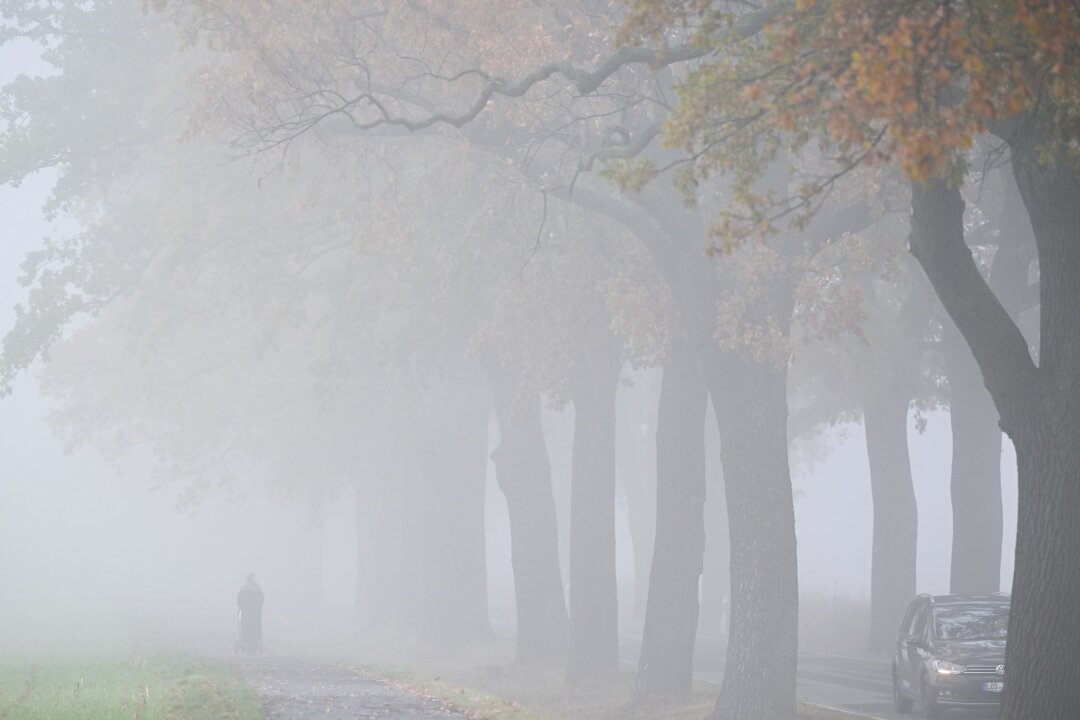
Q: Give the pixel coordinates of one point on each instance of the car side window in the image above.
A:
(918, 625)
(909, 617)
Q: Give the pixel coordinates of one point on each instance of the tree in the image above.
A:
(916, 81)
(567, 295)
(977, 444)
(402, 78)
(143, 263)
(27, 342)
(315, 79)
(744, 355)
(523, 471)
(636, 418)
(864, 356)
(667, 644)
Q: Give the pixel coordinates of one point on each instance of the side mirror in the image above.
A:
(913, 641)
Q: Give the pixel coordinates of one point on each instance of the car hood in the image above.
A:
(974, 652)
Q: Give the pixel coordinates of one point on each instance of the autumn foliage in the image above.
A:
(843, 83)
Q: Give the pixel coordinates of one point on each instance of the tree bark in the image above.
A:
(976, 473)
(523, 472)
(759, 670)
(892, 569)
(666, 666)
(1044, 626)
(594, 634)
(1039, 409)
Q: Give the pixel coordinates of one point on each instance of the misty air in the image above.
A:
(528, 360)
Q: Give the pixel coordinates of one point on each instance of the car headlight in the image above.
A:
(944, 667)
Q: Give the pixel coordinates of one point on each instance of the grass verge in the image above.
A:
(538, 693)
(484, 685)
(173, 687)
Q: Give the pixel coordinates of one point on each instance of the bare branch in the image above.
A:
(319, 105)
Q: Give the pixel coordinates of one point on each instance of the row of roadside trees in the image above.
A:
(416, 225)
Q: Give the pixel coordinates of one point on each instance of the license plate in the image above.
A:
(993, 686)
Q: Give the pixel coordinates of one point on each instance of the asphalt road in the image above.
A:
(861, 685)
(299, 689)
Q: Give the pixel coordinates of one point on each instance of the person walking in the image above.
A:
(250, 603)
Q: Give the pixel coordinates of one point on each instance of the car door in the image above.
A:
(899, 651)
(913, 647)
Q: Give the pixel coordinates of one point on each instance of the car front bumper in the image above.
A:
(967, 690)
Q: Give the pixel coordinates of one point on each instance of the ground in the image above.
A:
(184, 687)
(478, 684)
(306, 689)
(108, 686)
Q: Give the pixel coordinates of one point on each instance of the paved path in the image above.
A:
(299, 689)
(861, 685)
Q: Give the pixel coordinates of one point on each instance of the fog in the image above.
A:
(462, 341)
(128, 563)
(78, 516)
(125, 564)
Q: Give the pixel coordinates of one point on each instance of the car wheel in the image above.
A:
(903, 702)
(930, 706)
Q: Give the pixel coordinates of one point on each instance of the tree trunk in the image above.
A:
(892, 569)
(1039, 409)
(716, 576)
(976, 429)
(642, 537)
(759, 671)
(524, 475)
(636, 426)
(976, 473)
(1044, 625)
(558, 428)
(594, 634)
(666, 666)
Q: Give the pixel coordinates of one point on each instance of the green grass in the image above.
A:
(114, 686)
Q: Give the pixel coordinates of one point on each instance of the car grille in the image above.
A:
(981, 670)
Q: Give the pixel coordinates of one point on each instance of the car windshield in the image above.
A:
(983, 621)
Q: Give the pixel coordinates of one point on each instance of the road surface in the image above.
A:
(297, 689)
(861, 685)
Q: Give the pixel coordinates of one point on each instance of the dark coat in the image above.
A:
(250, 600)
